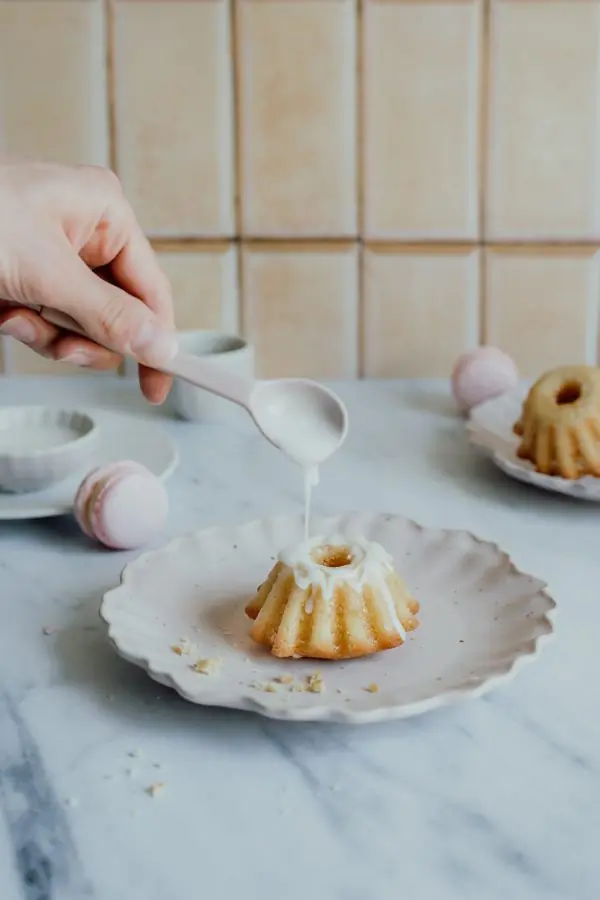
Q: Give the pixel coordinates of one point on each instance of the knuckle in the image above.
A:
(113, 324)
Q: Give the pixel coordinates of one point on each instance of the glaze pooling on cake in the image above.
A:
(559, 424)
(358, 564)
(331, 598)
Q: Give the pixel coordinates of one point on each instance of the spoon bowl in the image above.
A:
(305, 420)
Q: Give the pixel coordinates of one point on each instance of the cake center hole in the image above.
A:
(569, 393)
(333, 557)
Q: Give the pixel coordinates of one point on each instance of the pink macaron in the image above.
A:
(122, 505)
(482, 374)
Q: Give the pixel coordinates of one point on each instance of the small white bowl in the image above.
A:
(226, 351)
(41, 446)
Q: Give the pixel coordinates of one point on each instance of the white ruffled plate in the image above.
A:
(490, 428)
(481, 620)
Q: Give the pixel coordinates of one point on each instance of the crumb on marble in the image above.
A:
(285, 679)
(154, 790)
(207, 666)
(315, 684)
(372, 688)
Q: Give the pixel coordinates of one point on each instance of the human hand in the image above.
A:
(69, 240)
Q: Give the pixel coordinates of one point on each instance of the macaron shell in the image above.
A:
(84, 499)
(481, 375)
(129, 510)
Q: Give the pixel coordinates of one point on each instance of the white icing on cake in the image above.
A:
(370, 565)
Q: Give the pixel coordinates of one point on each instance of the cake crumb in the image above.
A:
(181, 647)
(154, 790)
(315, 683)
(372, 688)
(297, 687)
(207, 666)
(267, 687)
(135, 753)
(49, 629)
(285, 679)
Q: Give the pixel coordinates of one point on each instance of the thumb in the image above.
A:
(110, 316)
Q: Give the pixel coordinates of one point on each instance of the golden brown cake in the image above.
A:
(559, 424)
(332, 599)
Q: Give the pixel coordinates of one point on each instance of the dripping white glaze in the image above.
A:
(311, 480)
(370, 564)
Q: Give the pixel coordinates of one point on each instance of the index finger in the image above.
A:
(136, 270)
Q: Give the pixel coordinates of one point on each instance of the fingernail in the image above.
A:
(21, 329)
(154, 346)
(77, 358)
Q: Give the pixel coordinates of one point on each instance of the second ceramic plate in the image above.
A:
(490, 428)
(481, 619)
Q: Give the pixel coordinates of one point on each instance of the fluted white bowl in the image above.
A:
(41, 446)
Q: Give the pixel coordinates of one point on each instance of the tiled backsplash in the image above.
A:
(361, 187)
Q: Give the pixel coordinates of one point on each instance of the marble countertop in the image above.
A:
(491, 799)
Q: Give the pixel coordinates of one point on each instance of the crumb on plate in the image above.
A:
(372, 688)
(315, 683)
(207, 666)
(181, 647)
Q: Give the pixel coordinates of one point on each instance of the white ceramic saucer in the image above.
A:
(481, 620)
(490, 427)
(119, 437)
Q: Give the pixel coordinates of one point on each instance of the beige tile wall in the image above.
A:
(362, 187)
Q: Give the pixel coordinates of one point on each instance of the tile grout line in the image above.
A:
(359, 184)
(109, 30)
(125, 367)
(483, 149)
(185, 243)
(235, 82)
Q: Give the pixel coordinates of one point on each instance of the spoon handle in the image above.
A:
(199, 372)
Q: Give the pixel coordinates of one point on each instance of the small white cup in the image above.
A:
(224, 350)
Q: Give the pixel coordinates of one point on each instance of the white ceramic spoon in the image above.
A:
(304, 419)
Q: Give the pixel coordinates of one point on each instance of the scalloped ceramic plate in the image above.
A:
(481, 620)
(490, 428)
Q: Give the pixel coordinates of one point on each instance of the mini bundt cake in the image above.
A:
(332, 599)
(559, 424)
